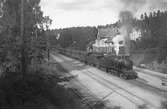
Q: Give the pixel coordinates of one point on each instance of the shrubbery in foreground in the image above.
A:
(35, 90)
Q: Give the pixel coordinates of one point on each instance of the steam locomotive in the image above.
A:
(120, 66)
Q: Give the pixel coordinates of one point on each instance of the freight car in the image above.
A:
(120, 66)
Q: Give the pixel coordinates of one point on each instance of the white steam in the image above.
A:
(126, 18)
(116, 41)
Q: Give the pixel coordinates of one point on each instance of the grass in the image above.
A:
(37, 90)
(16, 91)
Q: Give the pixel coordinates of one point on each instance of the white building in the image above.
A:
(135, 34)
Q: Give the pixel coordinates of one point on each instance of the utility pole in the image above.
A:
(23, 64)
(22, 21)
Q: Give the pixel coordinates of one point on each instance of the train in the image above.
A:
(120, 66)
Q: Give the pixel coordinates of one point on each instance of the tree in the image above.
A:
(76, 37)
(142, 17)
(150, 15)
(154, 34)
(14, 49)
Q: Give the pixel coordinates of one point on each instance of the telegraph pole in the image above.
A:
(23, 64)
(22, 21)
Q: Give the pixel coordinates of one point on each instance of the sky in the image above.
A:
(74, 13)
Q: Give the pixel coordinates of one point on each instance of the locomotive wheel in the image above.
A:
(123, 76)
(126, 77)
(98, 66)
(90, 64)
(107, 70)
(112, 72)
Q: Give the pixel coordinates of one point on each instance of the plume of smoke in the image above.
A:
(133, 5)
(126, 18)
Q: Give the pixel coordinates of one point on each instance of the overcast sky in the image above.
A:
(73, 13)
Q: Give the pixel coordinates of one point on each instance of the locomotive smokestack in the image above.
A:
(126, 18)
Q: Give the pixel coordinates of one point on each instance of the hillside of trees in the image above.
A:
(153, 28)
(76, 37)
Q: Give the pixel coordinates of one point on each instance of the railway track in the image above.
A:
(138, 101)
(139, 80)
(156, 81)
(130, 96)
(151, 73)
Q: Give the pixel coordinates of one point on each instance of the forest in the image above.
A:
(76, 37)
(153, 27)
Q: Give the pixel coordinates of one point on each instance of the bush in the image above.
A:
(35, 90)
(16, 91)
